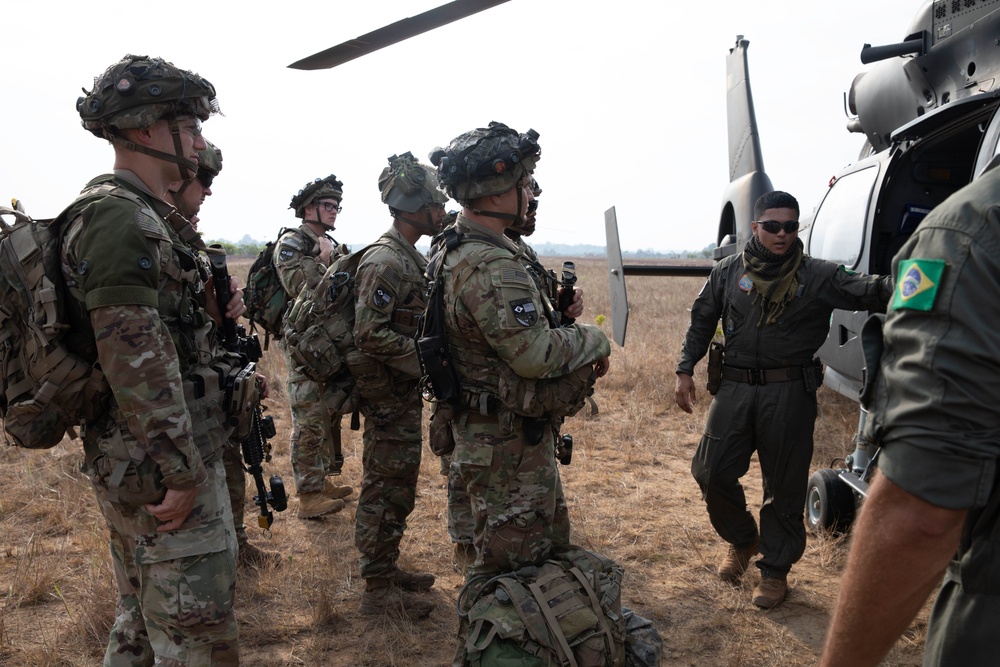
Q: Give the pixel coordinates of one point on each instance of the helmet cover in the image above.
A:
(406, 185)
(137, 91)
(485, 161)
(321, 188)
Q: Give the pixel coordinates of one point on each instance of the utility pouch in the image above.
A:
(314, 354)
(370, 376)
(715, 353)
(122, 467)
(812, 376)
(562, 396)
(440, 379)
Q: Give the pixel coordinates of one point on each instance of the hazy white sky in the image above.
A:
(628, 96)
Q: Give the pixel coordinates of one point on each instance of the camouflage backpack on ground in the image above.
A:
(566, 611)
(319, 337)
(47, 389)
(265, 298)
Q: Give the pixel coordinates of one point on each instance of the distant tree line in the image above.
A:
(248, 247)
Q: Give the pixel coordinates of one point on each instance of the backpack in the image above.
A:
(319, 338)
(566, 611)
(47, 389)
(265, 298)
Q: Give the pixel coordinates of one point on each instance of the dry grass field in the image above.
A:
(630, 493)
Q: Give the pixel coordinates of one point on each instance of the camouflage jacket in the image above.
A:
(138, 305)
(296, 259)
(793, 340)
(494, 317)
(390, 288)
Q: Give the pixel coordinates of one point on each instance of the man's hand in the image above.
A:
(234, 308)
(684, 393)
(262, 387)
(575, 309)
(174, 508)
(325, 250)
(601, 366)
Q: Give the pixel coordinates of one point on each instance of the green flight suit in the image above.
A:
(774, 419)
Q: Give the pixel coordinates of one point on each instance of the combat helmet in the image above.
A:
(406, 185)
(209, 164)
(321, 188)
(136, 92)
(485, 161)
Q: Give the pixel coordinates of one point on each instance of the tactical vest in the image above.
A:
(204, 366)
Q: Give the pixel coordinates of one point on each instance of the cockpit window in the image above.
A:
(838, 230)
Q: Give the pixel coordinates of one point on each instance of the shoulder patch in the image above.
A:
(382, 297)
(918, 284)
(514, 276)
(293, 241)
(286, 254)
(149, 225)
(391, 276)
(524, 311)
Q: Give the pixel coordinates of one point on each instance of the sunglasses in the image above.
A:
(773, 227)
(330, 206)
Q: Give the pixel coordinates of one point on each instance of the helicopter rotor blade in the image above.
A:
(394, 32)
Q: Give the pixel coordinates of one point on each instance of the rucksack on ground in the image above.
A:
(265, 297)
(319, 338)
(47, 389)
(564, 612)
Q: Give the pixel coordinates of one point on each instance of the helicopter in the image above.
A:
(928, 112)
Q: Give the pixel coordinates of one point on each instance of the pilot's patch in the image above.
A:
(918, 284)
(381, 298)
(524, 311)
(284, 255)
(746, 284)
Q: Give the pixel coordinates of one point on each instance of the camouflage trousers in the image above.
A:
(515, 492)
(461, 523)
(388, 489)
(315, 434)
(236, 484)
(176, 589)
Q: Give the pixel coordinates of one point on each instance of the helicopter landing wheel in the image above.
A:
(830, 503)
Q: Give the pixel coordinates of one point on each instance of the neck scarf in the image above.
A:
(774, 277)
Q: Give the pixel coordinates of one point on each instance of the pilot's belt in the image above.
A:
(761, 375)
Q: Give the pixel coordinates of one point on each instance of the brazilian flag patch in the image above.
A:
(918, 284)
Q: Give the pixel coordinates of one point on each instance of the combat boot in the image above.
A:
(381, 597)
(336, 491)
(252, 556)
(413, 581)
(312, 505)
(736, 562)
(771, 590)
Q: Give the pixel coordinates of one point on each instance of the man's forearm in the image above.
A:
(900, 548)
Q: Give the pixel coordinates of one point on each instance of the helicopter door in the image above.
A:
(839, 234)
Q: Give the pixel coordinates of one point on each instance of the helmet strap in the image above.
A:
(515, 218)
(187, 168)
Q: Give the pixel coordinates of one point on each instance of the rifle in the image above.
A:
(566, 297)
(255, 446)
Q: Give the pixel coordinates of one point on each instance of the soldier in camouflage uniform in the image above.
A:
(389, 299)
(505, 350)
(139, 306)
(300, 258)
(461, 524)
(188, 196)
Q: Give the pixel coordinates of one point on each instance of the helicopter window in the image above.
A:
(838, 232)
